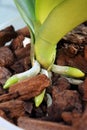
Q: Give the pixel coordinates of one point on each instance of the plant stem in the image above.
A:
(45, 53)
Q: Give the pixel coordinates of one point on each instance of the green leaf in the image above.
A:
(27, 11)
(62, 19)
(44, 7)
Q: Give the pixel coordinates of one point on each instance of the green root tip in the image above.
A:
(74, 72)
(12, 80)
(38, 99)
(67, 71)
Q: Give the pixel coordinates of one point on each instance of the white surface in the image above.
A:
(8, 11)
(9, 14)
(16, 22)
(5, 125)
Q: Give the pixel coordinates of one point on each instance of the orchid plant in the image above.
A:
(48, 21)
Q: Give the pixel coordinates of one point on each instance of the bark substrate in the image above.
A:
(68, 110)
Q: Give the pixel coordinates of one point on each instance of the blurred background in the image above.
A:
(9, 13)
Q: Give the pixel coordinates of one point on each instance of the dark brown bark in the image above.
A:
(6, 35)
(6, 56)
(24, 31)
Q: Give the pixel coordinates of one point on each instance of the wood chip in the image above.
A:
(30, 87)
(31, 124)
(14, 108)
